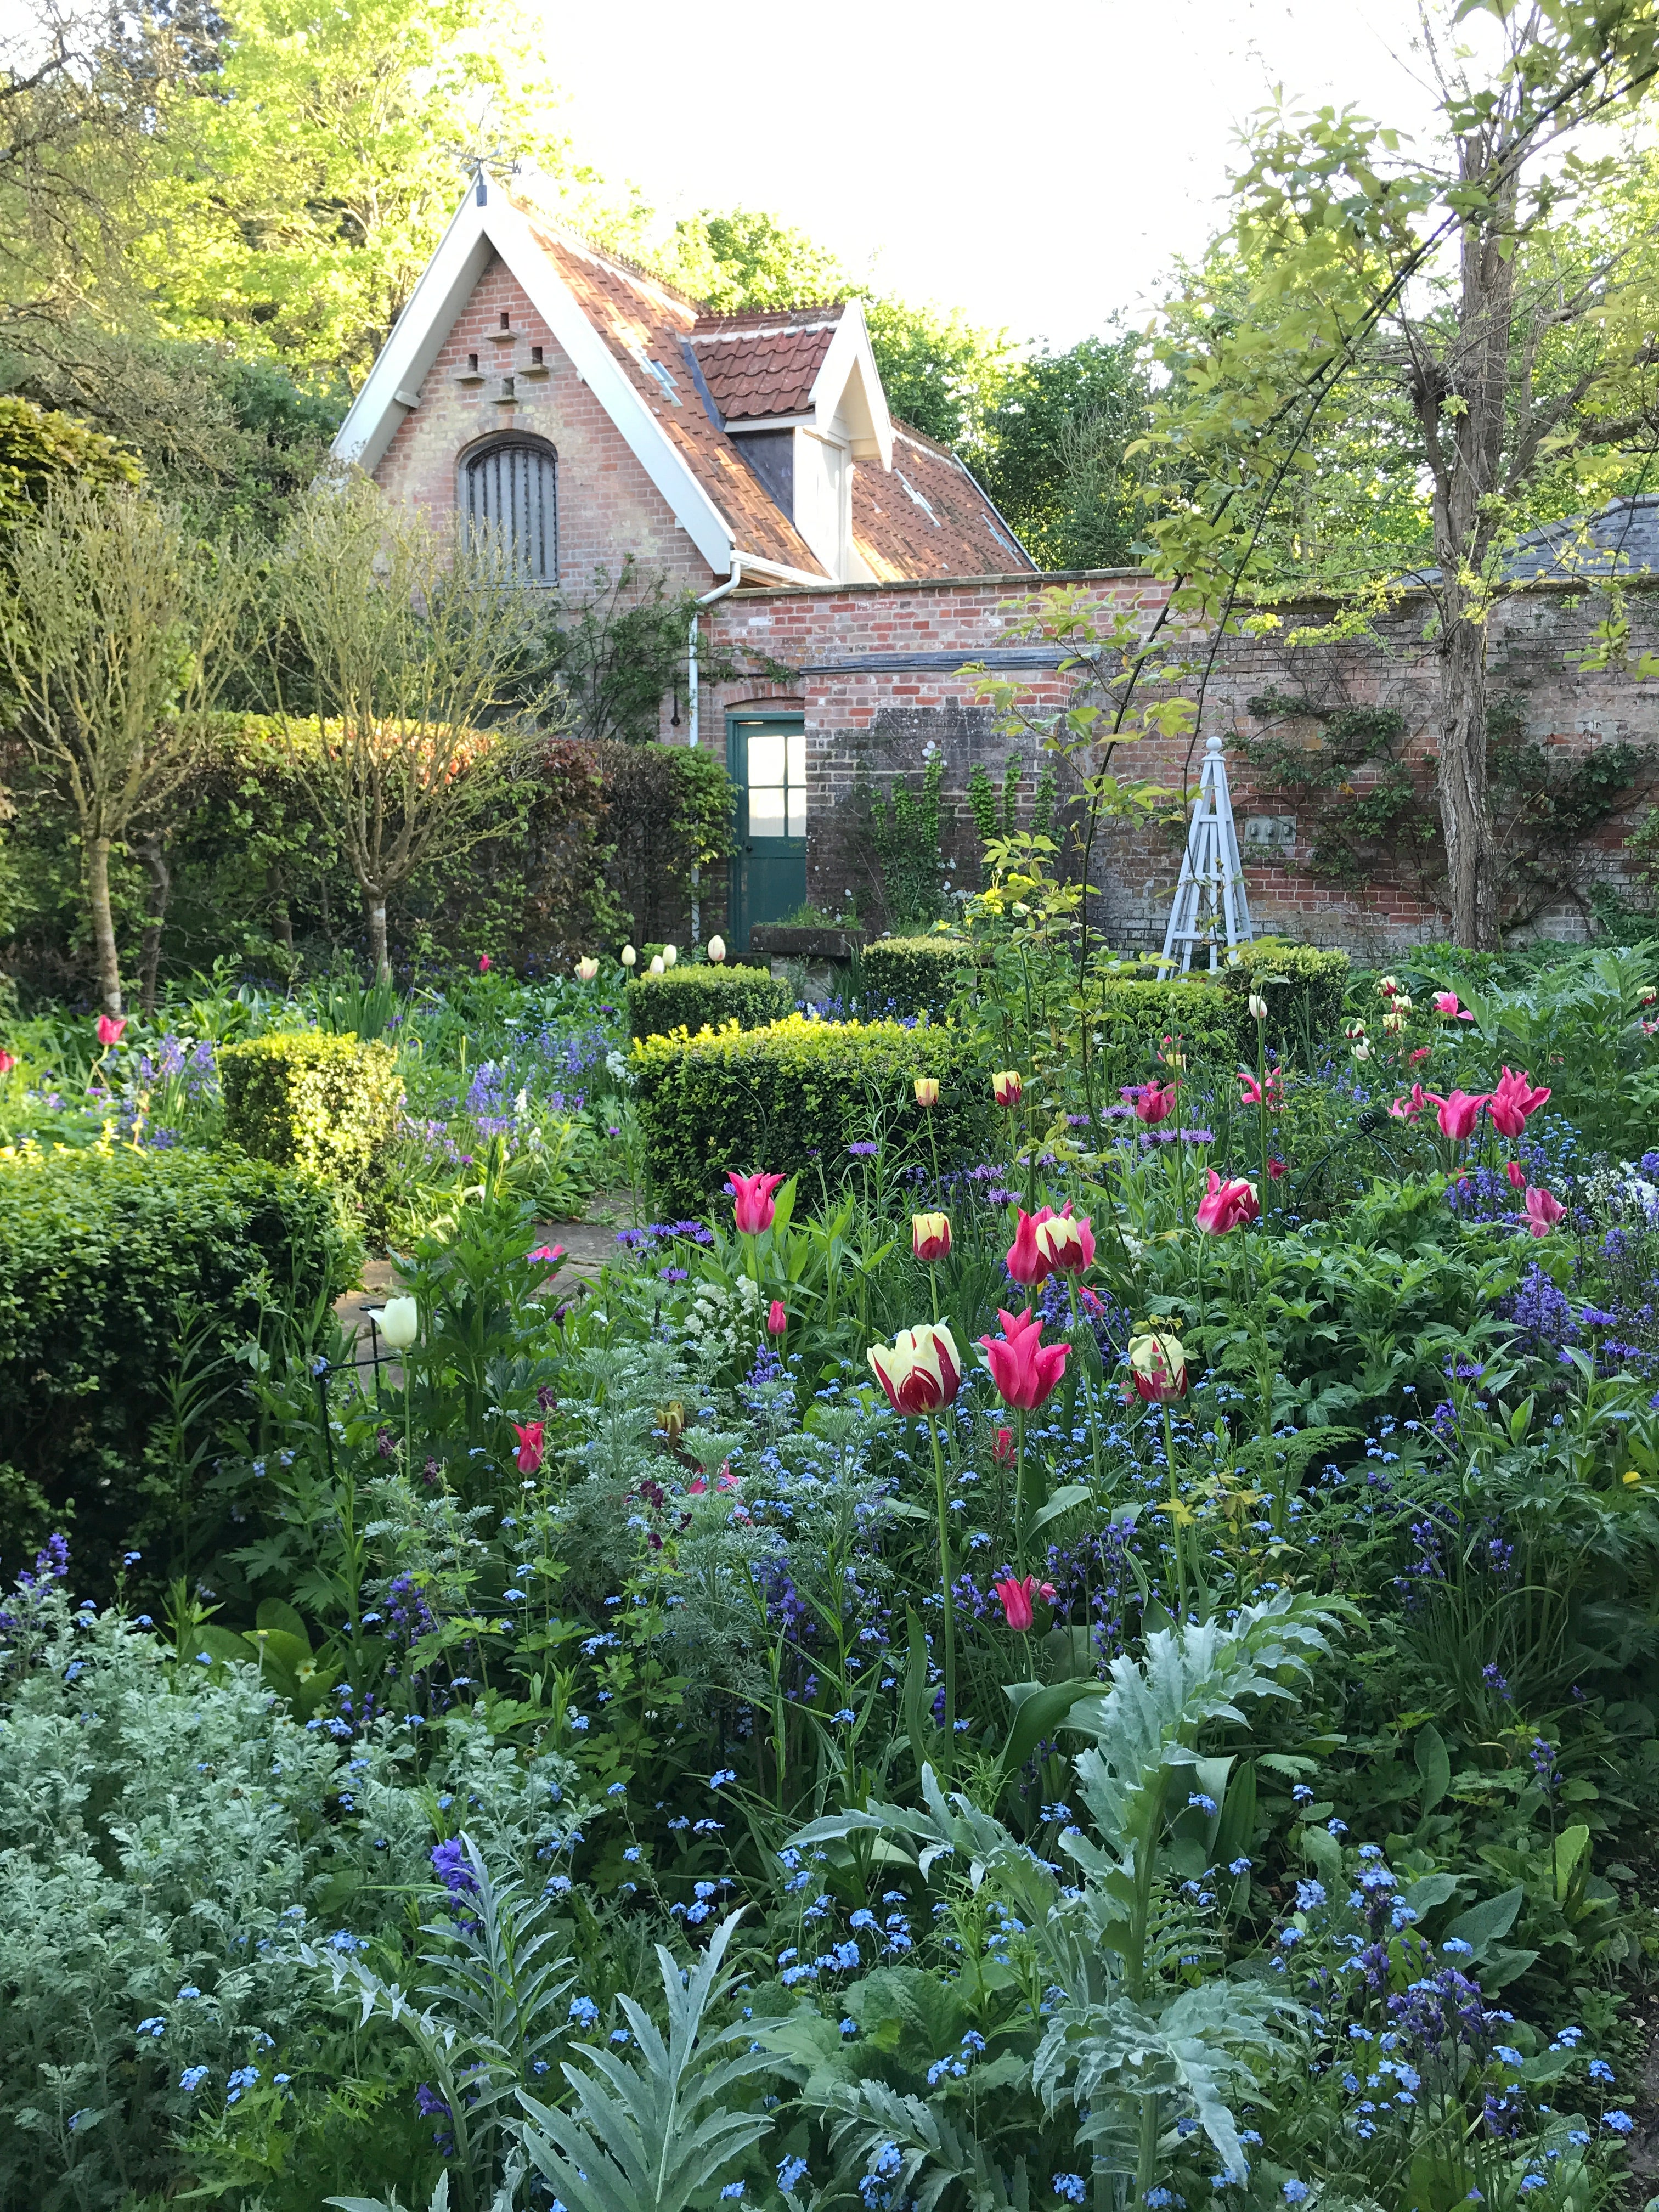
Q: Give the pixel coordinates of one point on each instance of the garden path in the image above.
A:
(590, 1246)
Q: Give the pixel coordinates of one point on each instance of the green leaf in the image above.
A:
(1433, 1763)
(1038, 1715)
(1485, 1923)
(1570, 1847)
(1070, 1494)
(274, 1615)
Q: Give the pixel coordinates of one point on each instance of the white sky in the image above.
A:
(1039, 164)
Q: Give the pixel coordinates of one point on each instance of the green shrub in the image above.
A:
(1134, 1019)
(705, 998)
(911, 974)
(105, 1257)
(1306, 1009)
(794, 1096)
(328, 1105)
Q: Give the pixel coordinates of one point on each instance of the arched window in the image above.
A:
(510, 486)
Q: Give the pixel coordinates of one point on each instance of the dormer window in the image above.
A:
(510, 487)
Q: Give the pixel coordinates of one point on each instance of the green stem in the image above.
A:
(949, 1639)
(1176, 1538)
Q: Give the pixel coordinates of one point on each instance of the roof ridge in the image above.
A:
(762, 315)
(574, 236)
(933, 445)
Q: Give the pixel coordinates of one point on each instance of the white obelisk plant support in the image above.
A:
(1210, 906)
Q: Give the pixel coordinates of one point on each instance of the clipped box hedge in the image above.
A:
(794, 1096)
(1306, 1009)
(326, 1104)
(1132, 1019)
(705, 997)
(100, 1252)
(911, 974)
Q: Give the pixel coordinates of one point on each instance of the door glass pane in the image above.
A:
(796, 812)
(766, 813)
(798, 756)
(766, 760)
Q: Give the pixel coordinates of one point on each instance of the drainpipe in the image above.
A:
(708, 600)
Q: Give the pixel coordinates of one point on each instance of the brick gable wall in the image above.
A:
(608, 506)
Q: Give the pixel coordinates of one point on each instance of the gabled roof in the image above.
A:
(764, 364)
(1620, 539)
(671, 377)
(926, 516)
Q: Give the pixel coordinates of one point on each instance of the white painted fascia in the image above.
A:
(851, 356)
(445, 285)
(754, 562)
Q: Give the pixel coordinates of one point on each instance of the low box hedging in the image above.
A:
(1132, 1020)
(103, 1254)
(794, 1096)
(697, 998)
(911, 974)
(1305, 1011)
(326, 1104)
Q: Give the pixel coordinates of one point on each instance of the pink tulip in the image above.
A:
(110, 1028)
(1227, 1205)
(548, 1255)
(1003, 1450)
(1517, 1175)
(530, 1453)
(1016, 1595)
(1152, 1103)
(1543, 1211)
(1407, 1109)
(1022, 1367)
(752, 1207)
(1069, 1242)
(1445, 1002)
(1458, 1114)
(1028, 1261)
(1513, 1103)
(483, 963)
(7, 1063)
(777, 1320)
(1253, 1090)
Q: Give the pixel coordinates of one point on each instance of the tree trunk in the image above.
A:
(103, 926)
(374, 916)
(150, 957)
(1464, 787)
(281, 914)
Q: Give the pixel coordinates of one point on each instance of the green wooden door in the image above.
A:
(766, 756)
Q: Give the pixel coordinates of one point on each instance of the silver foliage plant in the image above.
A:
(1130, 2046)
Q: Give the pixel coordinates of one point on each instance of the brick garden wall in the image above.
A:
(877, 682)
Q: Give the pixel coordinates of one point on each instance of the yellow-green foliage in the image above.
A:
(697, 998)
(325, 1104)
(912, 974)
(794, 1096)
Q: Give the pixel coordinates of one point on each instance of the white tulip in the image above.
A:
(657, 968)
(628, 955)
(1258, 1006)
(399, 1321)
(717, 950)
(671, 953)
(587, 968)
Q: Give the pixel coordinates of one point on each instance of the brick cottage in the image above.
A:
(579, 405)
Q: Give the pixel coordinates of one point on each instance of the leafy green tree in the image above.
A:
(1476, 316)
(1055, 460)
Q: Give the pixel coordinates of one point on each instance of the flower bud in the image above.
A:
(928, 1091)
(1007, 1087)
(671, 953)
(628, 955)
(930, 1237)
(717, 950)
(400, 1322)
(777, 1320)
(657, 966)
(1258, 1006)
